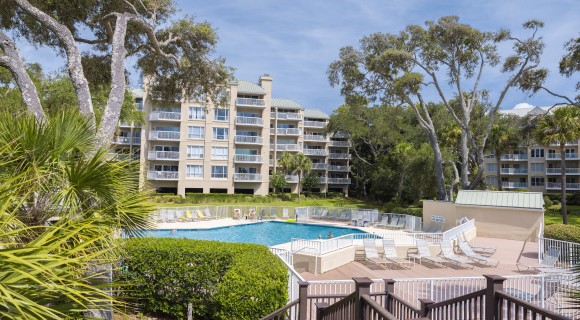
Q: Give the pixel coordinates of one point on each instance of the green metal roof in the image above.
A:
(315, 113)
(286, 104)
(528, 200)
(249, 87)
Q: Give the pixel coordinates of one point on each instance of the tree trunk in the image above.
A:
(563, 185)
(14, 63)
(498, 170)
(401, 185)
(464, 160)
(438, 166)
(299, 184)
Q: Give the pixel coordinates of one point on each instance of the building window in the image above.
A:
(221, 114)
(219, 172)
(220, 133)
(194, 152)
(537, 181)
(195, 132)
(537, 167)
(194, 171)
(219, 153)
(491, 180)
(490, 167)
(537, 153)
(196, 113)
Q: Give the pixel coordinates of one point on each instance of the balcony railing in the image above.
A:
(128, 140)
(338, 180)
(249, 140)
(334, 155)
(314, 124)
(163, 155)
(319, 166)
(556, 156)
(162, 175)
(568, 144)
(247, 158)
(514, 157)
(559, 170)
(286, 116)
(247, 177)
(251, 102)
(315, 137)
(514, 185)
(316, 152)
(513, 171)
(287, 132)
(291, 178)
(287, 147)
(250, 121)
(345, 144)
(338, 168)
(322, 180)
(166, 116)
(165, 135)
(558, 186)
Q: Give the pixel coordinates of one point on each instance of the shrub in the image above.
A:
(221, 280)
(418, 212)
(563, 232)
(547, 201)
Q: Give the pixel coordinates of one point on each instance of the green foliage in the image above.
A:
(221, 280)
(310, 181)
(417, 212)
(278, 181)
(547, 202)
(563, 232)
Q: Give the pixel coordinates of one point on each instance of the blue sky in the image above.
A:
(295, 41)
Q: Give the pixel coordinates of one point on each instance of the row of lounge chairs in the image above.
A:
(392, 222)
(334, 214)
(185, 215)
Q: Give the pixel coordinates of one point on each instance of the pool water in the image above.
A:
(269, 233)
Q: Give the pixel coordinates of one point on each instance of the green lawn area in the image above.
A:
(573, 216)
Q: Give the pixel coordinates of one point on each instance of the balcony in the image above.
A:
(314, 124)
(128, 140)
(558, 186)
(164, 155)
(322, 180)
(291, 178)
(335, 155)
(286, 147)
(345, 144)
(165, 116)
(567, 144)
(123, 156)
(338, 180)
(250, 121)
(315, 137)
(162, 175)
(567, 156)
(514, 185)
(319, 166)
(129, 125)
(339, 168)
(286, 116)
(287, 132)
(165, 135)
(247, 177)
(558, 171)
(249, 140)
(316, 152)
(247, 158)
(250, 102)
(514, 157)
(513, 171)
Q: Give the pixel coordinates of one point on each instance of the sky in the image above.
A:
(295, 41)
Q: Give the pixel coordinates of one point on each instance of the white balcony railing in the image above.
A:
(250, 121)
(513, 171)
(247, 177)
(247, 158)
(514, 185)
(558, 186)
(249, 140)
(335, 155)
(165, 135)
(559, 170)
(322, 180)
(166, 116)
(514, 157)
(338, 180)
(339, 168)
(314, 124)
(251, 102)
(319, 166)
(163, 155)
(556, 156)
(315, 152)
(315, 137)
(128, 140)
(568, 144)
(287, 147)
(286, 116)
(291, 178)
(345, 144)
(287, 132)
(162, 175)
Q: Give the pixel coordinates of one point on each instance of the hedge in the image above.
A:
(418, 212)
(572, 199)
(564, 232)
(221, 280)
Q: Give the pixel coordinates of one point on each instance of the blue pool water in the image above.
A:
(267, 233)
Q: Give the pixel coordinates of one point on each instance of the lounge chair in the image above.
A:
(285, 214)
(371, 253)
(390, 253)
(237, 214)
(384, 222)
(550, 287)
(343, 215)
(422, 252)
(273, 214)
(548, 264)
(201, 215)
(448, 253)
(402, 223)
(208, 214)
(189, 216)
(484, 251)
(393, 223)
(469, 253)
(333, 214)
(323, 214)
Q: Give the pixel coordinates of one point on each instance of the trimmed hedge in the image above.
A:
(572, 199)
(563, 232)
(417, 212)
(221, 280)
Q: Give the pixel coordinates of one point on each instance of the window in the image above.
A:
(195, 152)
(222, 114)
(491, 180)
(537, 167)
(219, 153)
(490, 167)
(537, 181)
(220, 133)
(537, 153)
(252, 152)
(196, 113)
(219, 172)
(195, 132)
(166, 148)
(194, 171)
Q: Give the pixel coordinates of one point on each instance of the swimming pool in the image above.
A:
(269, 233)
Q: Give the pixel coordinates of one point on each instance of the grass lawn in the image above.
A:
(573, 216)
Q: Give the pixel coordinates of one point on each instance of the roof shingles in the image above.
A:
(528, 200)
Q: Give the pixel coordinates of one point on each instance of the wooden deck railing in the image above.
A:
(467, 307)
(288, 312)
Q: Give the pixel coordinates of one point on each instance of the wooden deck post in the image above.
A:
(389, 290)
(319, 308)
(363, 286)
(494, 283)
(424, 310)
(303, 300)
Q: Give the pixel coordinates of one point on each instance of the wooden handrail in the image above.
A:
(280, 311)
(404, 303)
(379, 311)
(528, 306)
(348, 299)
(479, 293)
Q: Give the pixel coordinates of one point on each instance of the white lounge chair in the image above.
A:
(390, 253)
(448, 253)
(469, 253)
(548, 264)
(384, 222)
(371, 253)
(423, 253)
(485, 251)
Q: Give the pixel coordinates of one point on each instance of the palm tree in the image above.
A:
(561, 126)
(302, 164)
(286, 162)
(504, 135)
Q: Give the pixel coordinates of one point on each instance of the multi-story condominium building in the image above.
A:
(536, 167)
(190, 146)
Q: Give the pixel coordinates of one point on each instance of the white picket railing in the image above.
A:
(569, 251)
(293, 276)
(454, 232)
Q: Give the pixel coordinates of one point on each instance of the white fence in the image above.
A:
(293, 276)
(569, 251)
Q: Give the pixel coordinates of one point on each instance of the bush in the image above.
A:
(221, 280)
(547, 201)
(417, 212)
(563, 232)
